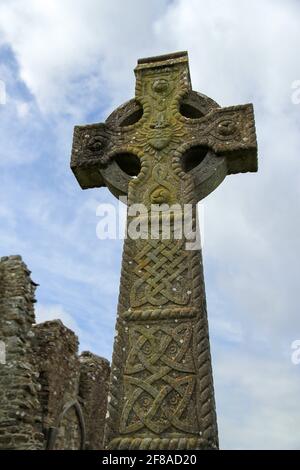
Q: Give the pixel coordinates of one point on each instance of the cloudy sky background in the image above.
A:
(71, 62)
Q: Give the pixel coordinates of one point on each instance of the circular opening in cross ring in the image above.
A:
(129, 163)
(193, 156)
(133, 117)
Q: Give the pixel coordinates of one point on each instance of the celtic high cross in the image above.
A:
(167, 145)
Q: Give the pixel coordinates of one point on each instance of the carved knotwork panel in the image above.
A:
(159, 380)
(161, 274)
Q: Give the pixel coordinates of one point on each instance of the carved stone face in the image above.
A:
(160, 138)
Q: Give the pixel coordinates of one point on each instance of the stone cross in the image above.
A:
(168, 145)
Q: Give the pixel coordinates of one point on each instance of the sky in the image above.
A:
(71, 62)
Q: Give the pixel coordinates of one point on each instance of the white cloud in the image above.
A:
(67, 51)
(256, 401)
(237, 49)
(89, 337)
(23, 109)
(56, 312)
(226, 330)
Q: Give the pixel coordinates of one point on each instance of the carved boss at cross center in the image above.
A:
(169, 145)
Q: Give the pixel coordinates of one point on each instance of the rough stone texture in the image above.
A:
(56, 348)
(169, 145)
(70, 433)
(20, 411)
(43, 378)
(94, 377)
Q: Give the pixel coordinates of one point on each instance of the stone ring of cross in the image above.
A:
(166, 122)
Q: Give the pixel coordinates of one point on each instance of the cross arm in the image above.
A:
(92, 159)
(229, 132)
(91, 144)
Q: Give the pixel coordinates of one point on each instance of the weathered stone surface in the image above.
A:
(93, 389)
(20, 412)
(55, 348)
(42, 380)
(169, 145)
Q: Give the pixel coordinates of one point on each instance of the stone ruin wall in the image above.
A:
(50, 397)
